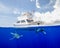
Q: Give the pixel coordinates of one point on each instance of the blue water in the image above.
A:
(31, 37)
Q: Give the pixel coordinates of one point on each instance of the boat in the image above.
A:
(27, 19)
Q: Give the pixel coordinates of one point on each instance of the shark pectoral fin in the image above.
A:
(11, 38)
(44, 32)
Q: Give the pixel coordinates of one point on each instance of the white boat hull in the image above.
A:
(24, 26)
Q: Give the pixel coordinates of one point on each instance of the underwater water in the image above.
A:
(33, 37)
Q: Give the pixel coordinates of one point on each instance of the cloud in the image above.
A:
(50, 17)
(8, 10)
(49, 4)
(37, 4)
(3, 8)
(45, 6)
(7, 15)
(32, 0)
(16, 11)
(6, 21)
(57, 5)
(45, 17)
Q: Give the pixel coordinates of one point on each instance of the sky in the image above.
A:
(11, 9)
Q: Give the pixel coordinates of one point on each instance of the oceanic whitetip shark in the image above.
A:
(15, 36)
(41, 30)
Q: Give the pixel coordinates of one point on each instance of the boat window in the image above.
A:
(18, 21)
(29, 20)
(22, 21)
